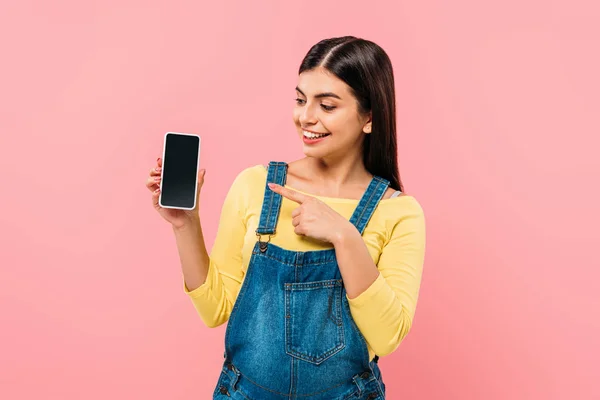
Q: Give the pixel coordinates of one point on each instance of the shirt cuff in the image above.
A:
(368, 294)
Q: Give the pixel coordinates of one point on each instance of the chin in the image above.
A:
(308, 152)
(312, 152)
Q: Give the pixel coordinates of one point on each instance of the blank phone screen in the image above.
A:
(180, 170)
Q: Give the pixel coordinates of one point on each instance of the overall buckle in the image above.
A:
(263, 245)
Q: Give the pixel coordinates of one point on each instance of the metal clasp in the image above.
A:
(263, 245)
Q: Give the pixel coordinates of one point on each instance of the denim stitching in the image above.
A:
(336, 285)
(236, 303)
(272, 196)
(287, 394)
(268, 224)
(358, 222)
(291, 263)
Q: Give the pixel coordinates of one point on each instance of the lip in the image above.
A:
(318, 133)
(313, 141)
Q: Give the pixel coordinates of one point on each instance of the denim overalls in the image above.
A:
(290, 334)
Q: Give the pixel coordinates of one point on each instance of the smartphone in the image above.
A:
(179, 176)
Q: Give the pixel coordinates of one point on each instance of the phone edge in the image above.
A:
(197, 170)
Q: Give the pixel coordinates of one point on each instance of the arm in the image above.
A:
(215, 281)
(383, 298)
(192, 253)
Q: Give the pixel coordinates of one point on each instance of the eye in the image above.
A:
(299, 101)
(327, 108)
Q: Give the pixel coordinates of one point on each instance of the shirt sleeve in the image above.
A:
(385, 310)
(214, 299)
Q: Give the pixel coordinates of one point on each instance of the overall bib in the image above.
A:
(290, 334)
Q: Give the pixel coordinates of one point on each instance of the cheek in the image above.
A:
(337, 124)
(296, 116)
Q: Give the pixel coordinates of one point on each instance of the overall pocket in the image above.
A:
(313, 320)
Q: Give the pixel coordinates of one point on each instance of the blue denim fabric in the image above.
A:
(290, 334)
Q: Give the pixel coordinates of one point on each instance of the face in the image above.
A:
(327, 117)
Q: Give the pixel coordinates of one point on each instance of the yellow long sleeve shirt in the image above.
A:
(395, 238)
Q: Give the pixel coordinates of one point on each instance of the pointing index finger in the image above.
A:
(288, 193)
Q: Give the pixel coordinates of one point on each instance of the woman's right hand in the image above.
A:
(177, 218)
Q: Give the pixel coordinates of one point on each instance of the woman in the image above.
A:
(317, 263)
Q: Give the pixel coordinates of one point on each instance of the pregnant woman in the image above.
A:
(317, 263)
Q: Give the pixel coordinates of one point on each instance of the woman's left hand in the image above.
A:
(313, 218)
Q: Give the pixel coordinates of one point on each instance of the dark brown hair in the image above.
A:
(367, 69)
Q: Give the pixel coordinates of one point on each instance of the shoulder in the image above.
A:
(251, 176)
(250, 182)
(247, 189)
(390, 192)
(401, 212)
(402, 204)
(247, 182)
(402, 221)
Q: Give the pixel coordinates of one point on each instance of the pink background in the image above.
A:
(498, 132)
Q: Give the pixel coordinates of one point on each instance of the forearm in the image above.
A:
(356, 265)
(192, 254)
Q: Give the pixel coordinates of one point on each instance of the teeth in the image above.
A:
(311, 135)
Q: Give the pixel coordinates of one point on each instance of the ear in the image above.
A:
(368, 125)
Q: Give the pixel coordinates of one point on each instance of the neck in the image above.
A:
(338, 172)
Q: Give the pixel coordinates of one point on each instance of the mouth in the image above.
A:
(313, 135)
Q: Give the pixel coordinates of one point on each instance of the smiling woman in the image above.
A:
(317, 263)
(334, 98)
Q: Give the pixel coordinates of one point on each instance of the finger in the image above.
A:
(159, 162)
(288, 193)
(155, 171)
(153, 183)
(201, 175)
(296, 221)
(155, 195)
(298, 230)
(297, 211)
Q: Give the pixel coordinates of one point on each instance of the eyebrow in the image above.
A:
(321, 95)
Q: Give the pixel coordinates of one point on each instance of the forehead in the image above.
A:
(319, 80)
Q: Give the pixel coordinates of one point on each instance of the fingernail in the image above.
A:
(157, 190)
(157, 178)
(271, 185)
(157, 169)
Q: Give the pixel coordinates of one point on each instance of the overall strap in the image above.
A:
(367, 204)
(271, 205)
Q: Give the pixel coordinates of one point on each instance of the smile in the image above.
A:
(311, 135)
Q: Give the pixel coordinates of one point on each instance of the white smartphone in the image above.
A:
(179, 176)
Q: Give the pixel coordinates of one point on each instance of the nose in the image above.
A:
(307, 116)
